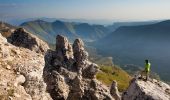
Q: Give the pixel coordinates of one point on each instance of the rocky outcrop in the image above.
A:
(147, 90)
(114, 91)
(22, 38)
(21, 73)
(69, 74)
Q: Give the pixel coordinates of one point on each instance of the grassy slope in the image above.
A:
(110, 73)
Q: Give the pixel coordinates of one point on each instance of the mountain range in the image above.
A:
(116, 25)
(19, 21)
(48, 30)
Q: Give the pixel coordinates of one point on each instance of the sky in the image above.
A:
(86, 9)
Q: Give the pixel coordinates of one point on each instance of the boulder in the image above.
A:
(21, 38)
(114, 91)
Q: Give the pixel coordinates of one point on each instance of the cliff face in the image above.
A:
(149, 90)
(70, 75)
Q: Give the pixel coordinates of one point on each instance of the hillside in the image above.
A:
(134, 44)
(109, 73)
(48, 30)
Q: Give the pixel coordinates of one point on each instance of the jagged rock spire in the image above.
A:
(71, 63)
(64, 47)
(114, 91)
(80, 55)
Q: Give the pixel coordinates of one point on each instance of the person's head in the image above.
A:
(146, 61)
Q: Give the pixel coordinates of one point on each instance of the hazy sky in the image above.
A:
(87, 9)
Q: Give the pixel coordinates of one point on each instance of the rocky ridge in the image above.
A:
(147, 90)
(70, 75)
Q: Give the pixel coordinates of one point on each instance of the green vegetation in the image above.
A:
(48, 30)
(10, 93)
(110, 73)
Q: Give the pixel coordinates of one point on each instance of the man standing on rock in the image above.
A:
(147, 69)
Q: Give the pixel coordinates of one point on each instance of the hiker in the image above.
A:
(146, 71)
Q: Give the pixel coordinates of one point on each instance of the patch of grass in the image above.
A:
(10, 93)
(110, 73)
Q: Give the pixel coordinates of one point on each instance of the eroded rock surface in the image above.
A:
(69, 74)
(114, 91)
(21, 73)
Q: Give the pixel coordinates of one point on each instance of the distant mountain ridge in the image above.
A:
(116, 25)
(48, 19)
(134, 44)
(48, 30)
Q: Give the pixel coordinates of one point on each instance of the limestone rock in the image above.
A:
(80, 55)
(22, 38)
(90, 71)
(57, 86)
(20, 79)
(4, 52)
(114, 91)
(2, 39)
(64, 47)
(24, 80)
(149, 90)
(6, 29)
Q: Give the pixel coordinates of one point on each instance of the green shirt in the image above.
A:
(147, 67)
